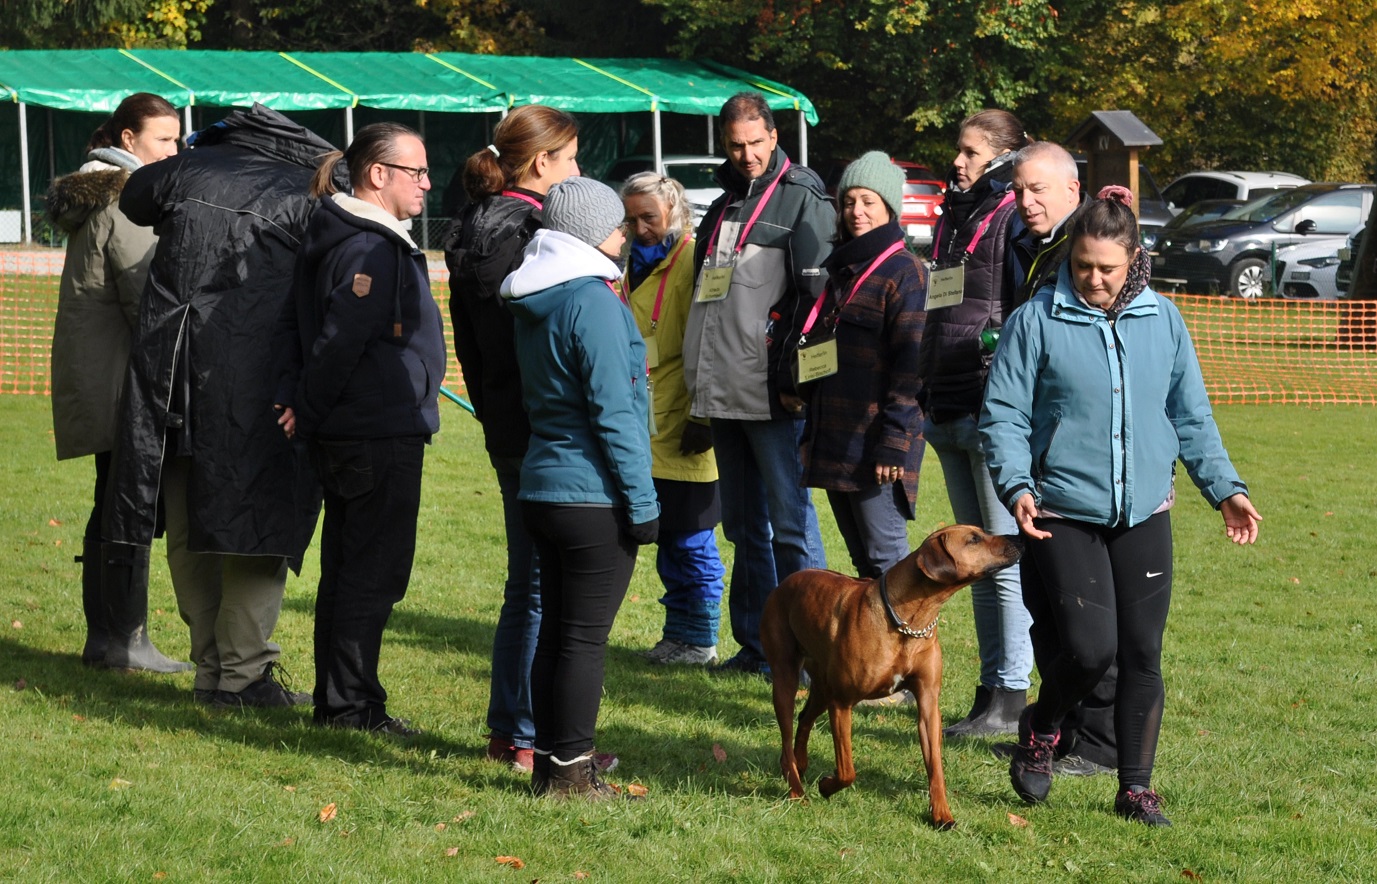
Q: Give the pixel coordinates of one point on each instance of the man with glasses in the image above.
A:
(370, 357)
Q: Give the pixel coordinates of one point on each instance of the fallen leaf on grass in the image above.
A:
(513, 861)
(328, 812)
(466, 815)
(1204, 733)
(451, 851)
(16, 624)
(719, 753)
(1295, 580)
(634, 598)
(289, 788)
(637, 789)
(158, 876)
(1017, 821)
(440, 827)
(579, 876)
(286, 842)
(20, 685)
(845, 852)
(1190, 876)
(116, 784)
(54, 523)
(78, 718)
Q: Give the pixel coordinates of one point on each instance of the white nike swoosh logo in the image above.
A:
(1154, 573)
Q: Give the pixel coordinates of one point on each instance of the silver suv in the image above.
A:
(1193, 187)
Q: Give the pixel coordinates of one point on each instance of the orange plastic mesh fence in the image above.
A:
(1266, 351)
(28, 305)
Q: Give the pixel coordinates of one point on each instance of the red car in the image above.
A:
(922, 197)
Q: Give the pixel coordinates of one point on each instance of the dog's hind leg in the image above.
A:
(812, 708)
(840, 717)
(926, 686)
(785, 685)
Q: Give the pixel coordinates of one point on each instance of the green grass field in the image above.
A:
(1268, 760)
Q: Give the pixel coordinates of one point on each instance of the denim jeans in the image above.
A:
(518, 623)
(872, 523)
(767, 516)
(691, 570)
(1001, 620)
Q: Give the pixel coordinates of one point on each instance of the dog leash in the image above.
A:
(902, 625)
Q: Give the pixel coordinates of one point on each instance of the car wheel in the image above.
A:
(1245, 279)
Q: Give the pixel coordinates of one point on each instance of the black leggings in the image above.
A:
(585, 567)
(1106, 592)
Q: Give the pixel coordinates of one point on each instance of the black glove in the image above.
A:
(644, 533)
(697, 438)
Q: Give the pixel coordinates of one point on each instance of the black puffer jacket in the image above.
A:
(229, 215)
(482, 246)
(951, 363)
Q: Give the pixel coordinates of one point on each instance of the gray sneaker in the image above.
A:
(662, 648)
(689, 655)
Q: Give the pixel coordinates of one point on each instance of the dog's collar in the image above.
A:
(902, 625)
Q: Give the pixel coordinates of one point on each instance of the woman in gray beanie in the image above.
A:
(586, 491)
(858, 357)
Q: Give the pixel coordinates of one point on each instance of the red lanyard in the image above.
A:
(979, 231)
(759, 207)
(613, 289)
(523, 197)
(660, 294)
(817, 305)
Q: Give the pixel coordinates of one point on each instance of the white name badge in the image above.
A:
(945, 287)
(714, 283)
(652, 353)
(817, 361)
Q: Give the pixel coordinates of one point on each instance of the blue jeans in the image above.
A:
(1001, 620)
(692, 573)
(872, 523)
(518, 623)
(767, 516)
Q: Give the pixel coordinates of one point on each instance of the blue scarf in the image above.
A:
(644, 259)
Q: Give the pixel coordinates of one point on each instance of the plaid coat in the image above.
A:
(867, 413)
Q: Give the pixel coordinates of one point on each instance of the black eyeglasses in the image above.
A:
(416, 173)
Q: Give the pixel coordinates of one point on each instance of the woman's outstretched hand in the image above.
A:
(1240, 519)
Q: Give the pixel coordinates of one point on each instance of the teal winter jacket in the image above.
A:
(1090, 416)
(583, 378)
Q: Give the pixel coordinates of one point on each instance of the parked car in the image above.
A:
(1193, 187)
(1228, 255)
(1306, 271)
(1343, 273)
(922, 201)
(1205, 210)
(696, 172)
(1152, 209)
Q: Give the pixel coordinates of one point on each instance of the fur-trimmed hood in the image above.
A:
(72, 198)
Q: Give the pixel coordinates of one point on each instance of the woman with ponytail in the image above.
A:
(1094, 394)
(97, 312)
(532, 149)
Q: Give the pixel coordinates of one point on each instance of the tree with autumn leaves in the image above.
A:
(1249, 84)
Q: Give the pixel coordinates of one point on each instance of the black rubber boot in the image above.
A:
(97, 634)
(124, 591)
(978, 707)
(999, 717)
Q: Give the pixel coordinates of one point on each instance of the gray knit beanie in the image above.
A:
(874, 171)
(583, 208)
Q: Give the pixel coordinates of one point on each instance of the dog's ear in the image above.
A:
(935, 561)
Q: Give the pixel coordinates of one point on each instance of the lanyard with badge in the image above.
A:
(649, 384)
(652, 348)
(817, 361)
(946, 288)
(715, 279)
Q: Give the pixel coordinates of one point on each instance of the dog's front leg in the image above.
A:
(927, 687)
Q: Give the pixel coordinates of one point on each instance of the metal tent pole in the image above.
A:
(186, 113)
(655, 139)
(712, 145)
(425, 203)
(802, 138)
(24, 170)
(348, 126)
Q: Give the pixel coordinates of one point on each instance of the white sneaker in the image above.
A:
(689, 655)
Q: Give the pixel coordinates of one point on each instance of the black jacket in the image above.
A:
(482, 246)
(1033, 263)
(370, 346)
(952, 365)
(229, 215)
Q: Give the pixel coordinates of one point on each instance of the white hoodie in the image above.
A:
(551, 258)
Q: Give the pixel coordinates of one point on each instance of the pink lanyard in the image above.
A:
(817, 305)
(523, 197)
(659, 295)
(979, 231)
(759, 207)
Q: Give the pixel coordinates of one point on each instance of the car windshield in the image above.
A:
(922, 188)
(694, 176)
(1269, 207)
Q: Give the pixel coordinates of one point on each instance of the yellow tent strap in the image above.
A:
(762, 86)
(191, 96)
(654, 100)
(477, 80)
(354, 99)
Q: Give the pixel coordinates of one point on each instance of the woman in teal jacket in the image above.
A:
(586, 492)
(1094, 394)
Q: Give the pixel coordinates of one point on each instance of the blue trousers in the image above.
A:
(692, 572)
(518, 623)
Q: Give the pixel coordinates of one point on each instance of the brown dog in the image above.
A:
(862, 639)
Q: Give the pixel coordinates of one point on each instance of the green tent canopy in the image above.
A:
(95, 81)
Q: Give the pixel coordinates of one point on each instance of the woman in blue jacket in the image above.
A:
(1094, 394)
(586, 492)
